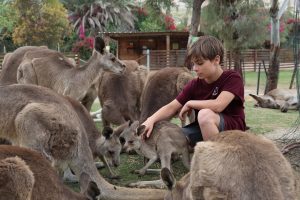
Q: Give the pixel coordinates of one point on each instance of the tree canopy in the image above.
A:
(40, 22)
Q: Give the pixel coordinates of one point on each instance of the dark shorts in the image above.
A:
(193, 132)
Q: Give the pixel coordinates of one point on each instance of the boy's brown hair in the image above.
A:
(205, 48)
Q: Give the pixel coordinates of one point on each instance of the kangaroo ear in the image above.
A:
(92, 191)
(140, 130)
(107, 131)
(121, 128)
(99, 44)
(168, 178)
(5, 141)
(257, 98)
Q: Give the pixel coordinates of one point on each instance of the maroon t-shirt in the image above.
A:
(231, 81)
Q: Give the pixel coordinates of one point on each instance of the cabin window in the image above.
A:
(175, 46)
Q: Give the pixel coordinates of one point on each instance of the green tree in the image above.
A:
(94, 16)
(151, 17)
(237, 23)
(40, 22)
(8, 21)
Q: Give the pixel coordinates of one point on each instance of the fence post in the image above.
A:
(258, 79)
(255, 58)
(148, 59)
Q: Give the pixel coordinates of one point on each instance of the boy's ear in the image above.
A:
(217, 59)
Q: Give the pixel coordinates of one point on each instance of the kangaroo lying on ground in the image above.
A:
(235, 165)
(16, 179)
(165, 140)
(47, 183)
(40, 119)
(278, 99)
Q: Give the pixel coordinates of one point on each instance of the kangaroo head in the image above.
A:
(107, 60)
(91, 192)
(177, 190)
(265, 101)
(131, 137)
(112, 146)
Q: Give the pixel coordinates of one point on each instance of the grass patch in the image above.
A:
(251, 80)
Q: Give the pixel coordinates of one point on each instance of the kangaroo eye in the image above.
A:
(122, 140)
(131, 142)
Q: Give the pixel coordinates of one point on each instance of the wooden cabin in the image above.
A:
(165, 48)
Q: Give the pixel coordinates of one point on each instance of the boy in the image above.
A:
(216, 95)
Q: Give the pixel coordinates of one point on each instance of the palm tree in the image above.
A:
(98, 16)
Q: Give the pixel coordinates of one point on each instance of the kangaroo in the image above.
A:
(53, 72)
(165, 140)
(38, 118)
(119, 95)
(11, 63)
(16, 179)
(278, 99)
(105, 146)
(161, 88)
(235, 165)
(47, 184)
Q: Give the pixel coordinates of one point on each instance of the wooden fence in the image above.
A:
(162, 58)
(250, 59)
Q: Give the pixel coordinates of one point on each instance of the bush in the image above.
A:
(84, 48)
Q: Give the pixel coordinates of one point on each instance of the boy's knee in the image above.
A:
(205, 116)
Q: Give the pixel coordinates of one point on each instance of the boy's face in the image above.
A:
(206, 68)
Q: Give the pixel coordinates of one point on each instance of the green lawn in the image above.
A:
(262, 120)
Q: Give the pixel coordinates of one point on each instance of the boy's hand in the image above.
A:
(148, 128)
(186, 110)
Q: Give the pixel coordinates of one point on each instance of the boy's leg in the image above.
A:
(210, 123)
(193, 132)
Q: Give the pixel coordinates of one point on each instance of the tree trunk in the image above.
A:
(273, 70)
(237, 61)
(195, 20)
(194, 28)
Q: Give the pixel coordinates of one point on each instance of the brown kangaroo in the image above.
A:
(40, 119)
(47, 184)
(54, 72)
(16, 179)
(278, 99)
(235, 165)
(105, 146)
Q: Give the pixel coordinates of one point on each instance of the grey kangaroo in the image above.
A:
(166, 139)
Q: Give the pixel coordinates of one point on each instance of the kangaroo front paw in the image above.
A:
(114, 176)
(140, 172)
